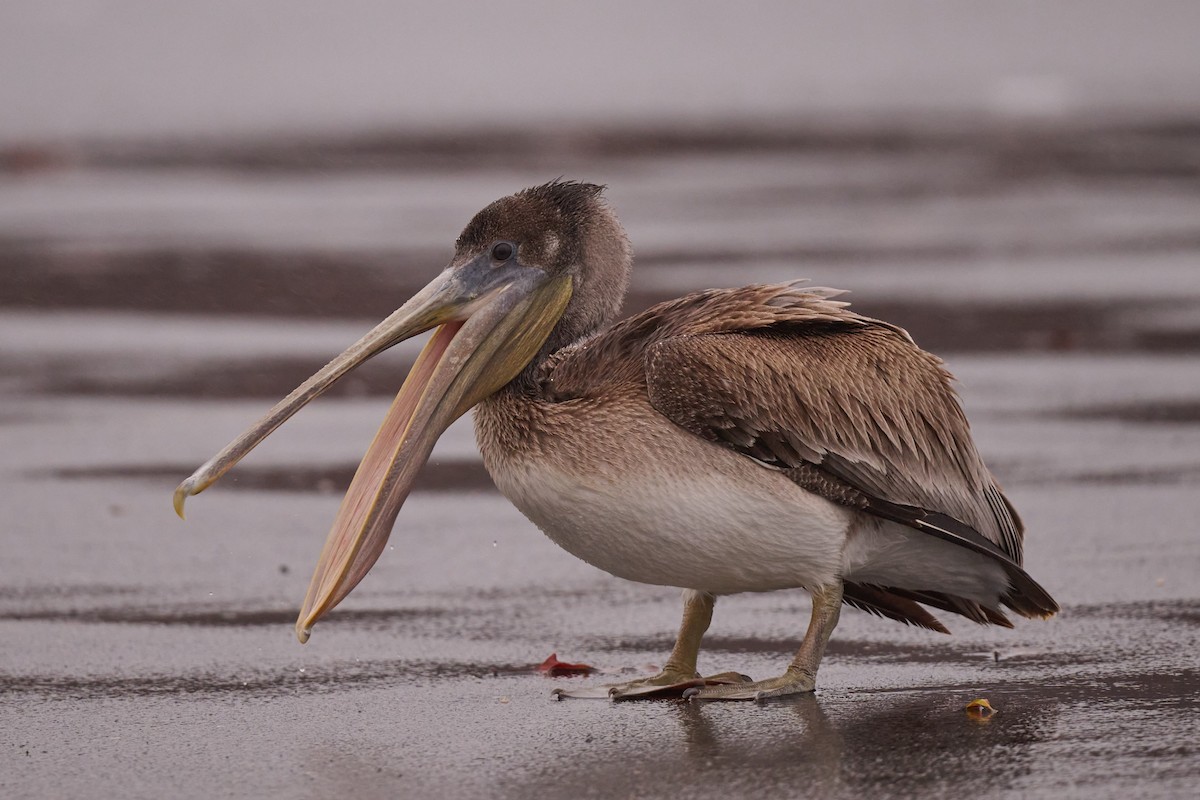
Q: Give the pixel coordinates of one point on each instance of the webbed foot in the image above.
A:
(668, 683)
(793, 681)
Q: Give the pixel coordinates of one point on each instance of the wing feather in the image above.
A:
(859, 401)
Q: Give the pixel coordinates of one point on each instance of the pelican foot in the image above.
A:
(791, 682)
(664, 684)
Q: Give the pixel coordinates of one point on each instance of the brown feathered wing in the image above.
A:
(849, 408)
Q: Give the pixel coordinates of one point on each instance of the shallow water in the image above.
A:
(152, 310)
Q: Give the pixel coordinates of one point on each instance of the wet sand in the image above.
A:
(154, 306)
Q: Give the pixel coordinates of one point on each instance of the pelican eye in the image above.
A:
(502, 251)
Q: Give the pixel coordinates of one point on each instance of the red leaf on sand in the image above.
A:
(553, 667)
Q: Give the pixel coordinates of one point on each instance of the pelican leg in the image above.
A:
(679, 673)
(801, 674)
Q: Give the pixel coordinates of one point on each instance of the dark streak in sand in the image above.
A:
(1172, 412)
(469, 475)
(211, 618)
(1162, 150)
(331, 678)
(260, 378)
(436, 476)
(368, 288)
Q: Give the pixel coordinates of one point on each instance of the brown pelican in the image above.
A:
(735, 440)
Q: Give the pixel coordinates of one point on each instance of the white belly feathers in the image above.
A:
(677, 512)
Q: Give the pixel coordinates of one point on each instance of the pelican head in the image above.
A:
(530, 273)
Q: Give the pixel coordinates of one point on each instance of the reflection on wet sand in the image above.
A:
(810, 743)
(895, 744)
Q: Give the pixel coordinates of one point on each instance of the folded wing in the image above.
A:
(849, 408)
